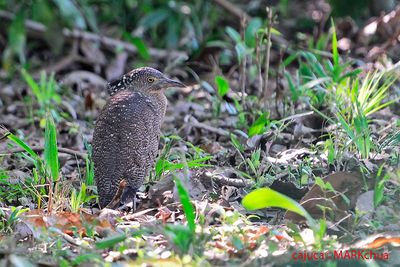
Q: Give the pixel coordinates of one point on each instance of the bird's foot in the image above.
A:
(129, 206)
(128, 199)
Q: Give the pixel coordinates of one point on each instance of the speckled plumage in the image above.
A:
(126, 135)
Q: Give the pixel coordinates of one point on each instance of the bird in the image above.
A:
(127, 132)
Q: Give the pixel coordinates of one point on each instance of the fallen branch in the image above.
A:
(41, 149)
(195, 123)
(222, 180)
(38, 29)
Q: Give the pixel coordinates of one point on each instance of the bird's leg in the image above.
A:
(128, 199)
(114, 203)
(134, 175)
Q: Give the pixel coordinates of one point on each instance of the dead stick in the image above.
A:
(243, 63)
(267, 55)
(41, 148)
(193, 122)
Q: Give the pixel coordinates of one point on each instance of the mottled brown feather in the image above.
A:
(126, 134)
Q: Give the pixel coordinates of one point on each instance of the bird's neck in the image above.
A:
(161, 101)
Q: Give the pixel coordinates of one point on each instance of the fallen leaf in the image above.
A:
(347, 185)
(378, 241)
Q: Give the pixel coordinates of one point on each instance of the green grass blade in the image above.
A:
(187, 206)
(33, 85)
(50, 148)
(110, 241)
(15, 139)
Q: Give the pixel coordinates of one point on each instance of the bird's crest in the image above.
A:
(125, 80)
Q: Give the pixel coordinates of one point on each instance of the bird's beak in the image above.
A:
(166, 83)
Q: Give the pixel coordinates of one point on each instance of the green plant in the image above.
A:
(315, 77)
(89, 171)
(364, 96)
(78, 199)
(380, 180)
(8, 221)
(51, 149)
(181, 21)
(173, 161)
(182, 236)
(266, 197)
(46, 170)
(16, 43)
(359, 133)
(254, 35)
(260, 125)
(45, 93)
(357, 99)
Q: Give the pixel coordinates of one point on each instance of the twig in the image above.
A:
(130, 217)
(66, 237)
(339, 222)
(38, 29)
(267, 56)
(295, 116)
(258, 63)
(221, 180)
(41, 148)
(195, 123)
(243, 63)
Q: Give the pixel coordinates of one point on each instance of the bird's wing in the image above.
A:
(126, 144)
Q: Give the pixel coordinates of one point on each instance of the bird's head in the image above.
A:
(147, 80)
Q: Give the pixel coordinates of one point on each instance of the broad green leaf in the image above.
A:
(235, 36)
(265, 197)
(250, 34)
(139, 44)
(240, 51)
(70, 11)
(173, 32)
(187, 206)
(236, 143)
(20, 143)
(33, 85)
(222, 85)
(258, 126)
(318, 181)
(89, 13)
(380, 186)
(154, 18)
(17, 36)
(50, 148)
(335, 53)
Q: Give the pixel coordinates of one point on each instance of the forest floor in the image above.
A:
(325, 133)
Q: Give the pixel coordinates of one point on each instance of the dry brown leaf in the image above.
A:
(349, 184)
(64, 221)
(378, 241)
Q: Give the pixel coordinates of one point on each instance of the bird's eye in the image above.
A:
(150, 79)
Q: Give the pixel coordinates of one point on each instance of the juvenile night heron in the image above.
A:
(127, 132)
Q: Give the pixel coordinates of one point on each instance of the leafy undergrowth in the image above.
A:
(303, 169)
